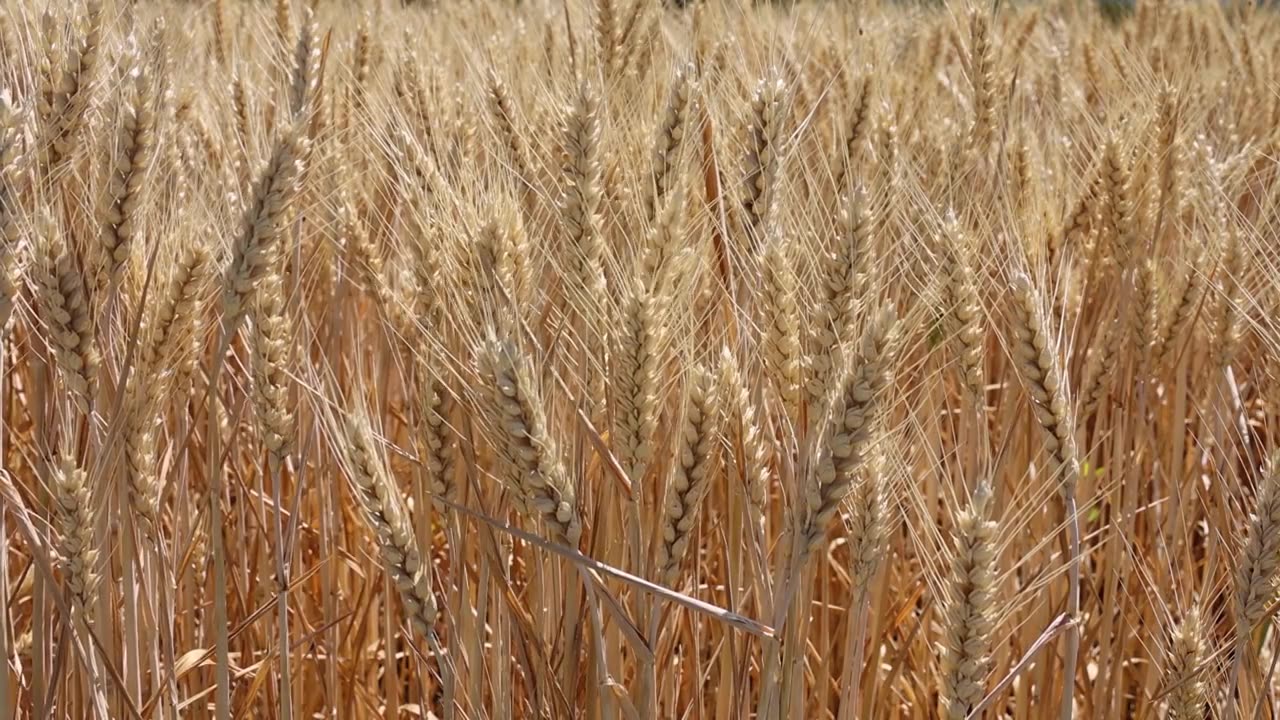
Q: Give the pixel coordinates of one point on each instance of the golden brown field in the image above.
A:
(607, 359)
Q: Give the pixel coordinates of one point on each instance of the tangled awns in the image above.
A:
(468, 359)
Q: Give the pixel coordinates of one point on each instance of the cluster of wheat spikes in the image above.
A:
(614, 359)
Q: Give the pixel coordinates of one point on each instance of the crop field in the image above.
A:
(609, 359)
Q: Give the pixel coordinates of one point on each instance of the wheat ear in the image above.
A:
(607, 37)
(969, 617)
(172, 337)
(64, 307)
(1121, 209)
(1145, 312)
(750, 459)
(538, 473)
(1036, 353)
(386, 515)
(1229, 321)
(503, 114)
(964, 310)
(681, 106)
(1187, 301)
(271, 377)
(1169, 153)
(439, 437)
(764, 149)
(780, 320)
(659, 265)
(131, 163)
(257, 248)
(850, 431)
(143, 413)
(857, 128)
(10, 152)
(221, 44)
(637, 372)
(982, 78)
(65, 103)
(305, 84)
(503, 249)
(844, 280)
(1257, 573)
(1183, 671)
(580, 202)
(690, 474)
(77, 546)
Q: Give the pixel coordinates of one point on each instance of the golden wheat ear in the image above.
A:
(63, 305)
(11, 152)
(272, 340)
(77, 542)
(134, 153)
(762, 162)
(1184, 669)
(690, 478)
(536, 470)
(69, 92)
(682, 104)
(848, 440)
(970, 608)
(386, 515)
(256, 250)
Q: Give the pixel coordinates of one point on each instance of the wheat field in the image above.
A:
(613, 359)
